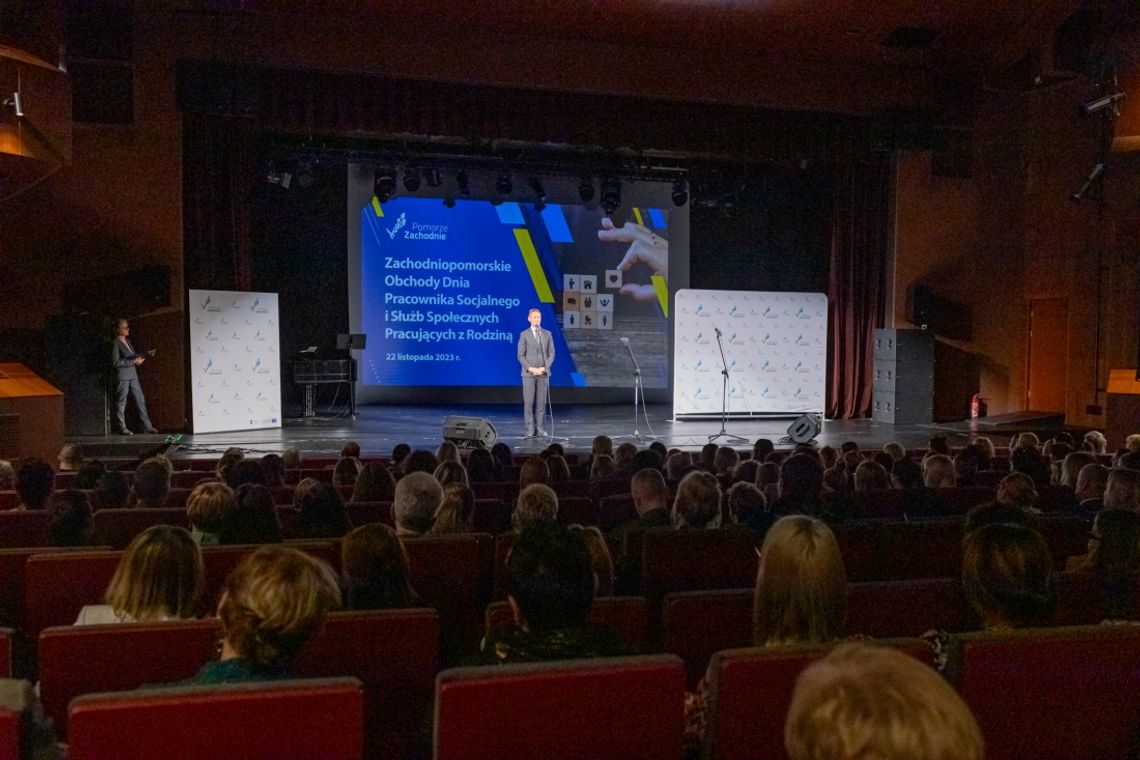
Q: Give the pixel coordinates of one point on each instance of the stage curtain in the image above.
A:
(217, 174)
(857, 281)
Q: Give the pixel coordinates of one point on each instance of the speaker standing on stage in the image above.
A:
(126, 362)
(536, 355)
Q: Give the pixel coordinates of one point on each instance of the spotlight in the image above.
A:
(1090, 183)
(411, 180)
(14, 101)
(586, 189)
(611, 194)
(464, 183)
(449, 202)
(432, 177)
(535, 185)
(680, 193)
(384, 184)
(275, 177)
(1101, 103)
(503, 185)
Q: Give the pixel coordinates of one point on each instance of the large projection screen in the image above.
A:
(775, 346)
(235, 360)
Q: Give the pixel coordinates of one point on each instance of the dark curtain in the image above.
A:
(857, 281)
(216, 180)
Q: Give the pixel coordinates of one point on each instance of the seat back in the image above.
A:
(1054, 693)
(905, 608)
(691, 560)
(615, 510)
(118, 527)
(395, 654)
(25, 528)
(6, 640)
(630, 707)
(59, 585)
(453, 575)
(695, 624)
(627, 616)
(86, 659)
(579, 510)
(13, 571)
(219, 561)
(319, 719)
(492, 516)
(750, 690)
(940, 556)
(366, 512)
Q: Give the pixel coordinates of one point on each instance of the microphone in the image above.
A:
(624, 340)
(717, 331)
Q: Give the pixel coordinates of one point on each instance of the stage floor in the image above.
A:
(378, 428)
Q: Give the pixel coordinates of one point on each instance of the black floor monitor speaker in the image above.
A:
(805, 428)
(469, 432)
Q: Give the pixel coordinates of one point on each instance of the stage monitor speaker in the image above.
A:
(469, 432)
(805, 428)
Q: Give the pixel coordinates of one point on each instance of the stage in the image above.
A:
(377, 428)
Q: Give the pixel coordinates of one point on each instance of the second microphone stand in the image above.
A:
(638, 390)
(729, 438)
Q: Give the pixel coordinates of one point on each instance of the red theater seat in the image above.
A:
(504, 491)
(695, 624)
(6, 635)
(58, 585)
(10, 734)
(318, 719)
(27, 528)
(627, 707)
(615, 510)
(117, 527)
(1054, 694)
(492, 516)
(9, 500)
(905, 608)
(690, 560)
(750, 690)
(628, 616)
(453, 575)
(577, 510)
(365, 512)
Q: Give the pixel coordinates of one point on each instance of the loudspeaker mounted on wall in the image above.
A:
(804, 429)
(469, 432)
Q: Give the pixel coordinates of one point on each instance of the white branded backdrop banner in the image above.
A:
(775, 345)
(235, 360)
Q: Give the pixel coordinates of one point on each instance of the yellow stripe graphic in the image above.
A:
(637, 216)
(530, 257)
(376, 206)
(662, 292)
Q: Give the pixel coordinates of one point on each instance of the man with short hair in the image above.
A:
(35, 482)
(70, 457)
(417, 499)
(151, 484)
(536, 503)
(1091, 482)
(536, 355)
(126, 362)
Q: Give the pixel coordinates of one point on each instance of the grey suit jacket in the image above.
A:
(123, 360)
(536, 353)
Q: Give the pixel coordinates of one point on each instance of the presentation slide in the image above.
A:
(445, 292)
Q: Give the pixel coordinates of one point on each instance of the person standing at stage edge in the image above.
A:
(126, 362)
(536, 355)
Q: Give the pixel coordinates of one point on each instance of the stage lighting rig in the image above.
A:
(464, 183)
(14, 102)
(611, 195)
(1094, 179)
(384, 184)
(503, 184)
(1103, 102)
(535, 185)
(432, 177)
(449, 202)
(680, 193)
(586, 189)
(411, 180)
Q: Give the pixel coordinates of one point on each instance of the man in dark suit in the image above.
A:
(536, 355)
(126, 362)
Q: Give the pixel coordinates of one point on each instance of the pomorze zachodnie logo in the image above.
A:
(395, 228)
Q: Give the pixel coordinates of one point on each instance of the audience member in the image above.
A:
(863, 702)
(986, 452)
(274, 468)
(291, 458)
(420, 461)
(938, 444)
(160, 577)
(602, 467)
(7, 476)
(919, 501)
(678, 465)
(448, 452)
(762, 448)
(828, 457)
(623, 456)
(559, 469)
(747, 506)
(450, 472)
(1114, 557)
(481, 467)
(746, 471)
(375, 483)
(111, 492)
(871, 476)
(301, 490)
(1017, 490)
(456, 510)
(1071, 467)
(646, 459)
(1006, 576)
(399, 453)
(697, 504)
(600, 558)
(1095, 442)
(246, 471)
(345, 471)
(801, 480)
(252, 519)
(35, 482)
(1029, 460)
(725, 460)
(966, 465)
(707, 460)
(151, 485)
(534, 470)
(88, 474)
(1132, 443)
(659, 448)
(884, 460)
(768, 481)
(207, 509)
(1089, 491)
(536, 503)
(350, 450)
(895, 449)
(229, 458)
(69, 520)
(376, 570)
(1122, 490)
(501, 453)
(938, 472)
(70, 457)
(650, 500)
(418, 496)
(322, 512)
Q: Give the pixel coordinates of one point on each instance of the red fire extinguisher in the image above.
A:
(978, 407)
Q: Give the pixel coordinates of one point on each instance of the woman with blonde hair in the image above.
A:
(208, 507)
(448, 452)
(450, 472)
(159, 578)
(600, 558)
(455, 511)
(801, 585)
(346, 471)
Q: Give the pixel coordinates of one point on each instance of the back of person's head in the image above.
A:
(708, 456)
(1006, 572)
(885, 460)
(1132, 443)
(7, 475)
(559, 469)
(399, 453)
(481, 467)
(302, 489)
(274, 468)
(345, 471)
(602, 466)
(660, 449)
(623, 456)
(420, 461)
(70, 456)
(252, 519)
(376, 571)
(1026, 441)
(350, 450)
(746, 502)
(1096, 442)
(448, 452)
(986, 450)
(1071, 467)
(536, 503)
(895, 449)
(375, 483)
(865, 702)
(160, 576)
(88, 474)
(746, 471)
(111, 491)
(534, 470)
(769, 473)
(151, 484)
(69, 520)
(456, 510)
(322, 512)
(35, 481)
(849, 446)
(600, 558)
(418, 496)
(550, 578)
(678, 464)
(246, 471)
(602, 445)
(801, 584)
(501, 453)
(828, 456)
(938, 471)
(208, 505)
(906, 473)
(762, 448)
(993, 512)
(450, 472)
(801, 478)
(229, 458)
(871, 476)
(697, 504)
(1030, 461)
(725, 460)
(1114, 544)
(939, 444)
(835, 480)
(291, 458)
(1091, 481)
(1017, 490)
(1122, 489)
(966, 464)
(649, 491)
(646, 459)
(274, 602)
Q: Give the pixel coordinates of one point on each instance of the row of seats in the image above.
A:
(1050, 694)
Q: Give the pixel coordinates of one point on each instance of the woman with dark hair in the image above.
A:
(420, 461)
(246, 471)
(252, 519)
(111, 492)
(274, 468)
(69, 520)
(1007, 576)
(534, 470)
(376, 570)
(89, 473)
(1114, 557)
(375, 483)
(481, 467)
(450, 472)
(559, 469)
(501, 453)
(399, 453)
(346, 471)
(322, 513)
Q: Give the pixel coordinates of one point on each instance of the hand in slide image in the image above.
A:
(646, 247)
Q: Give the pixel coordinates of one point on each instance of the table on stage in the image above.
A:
(31, 414)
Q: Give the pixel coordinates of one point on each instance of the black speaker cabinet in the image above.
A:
(902, 390)
(805, 428)
(469, 432)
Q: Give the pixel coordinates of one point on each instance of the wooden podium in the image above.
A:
(1123, 418)
(31, 415)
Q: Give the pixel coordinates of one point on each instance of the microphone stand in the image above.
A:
(550, 437)
(637, 390)
(724, 399)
